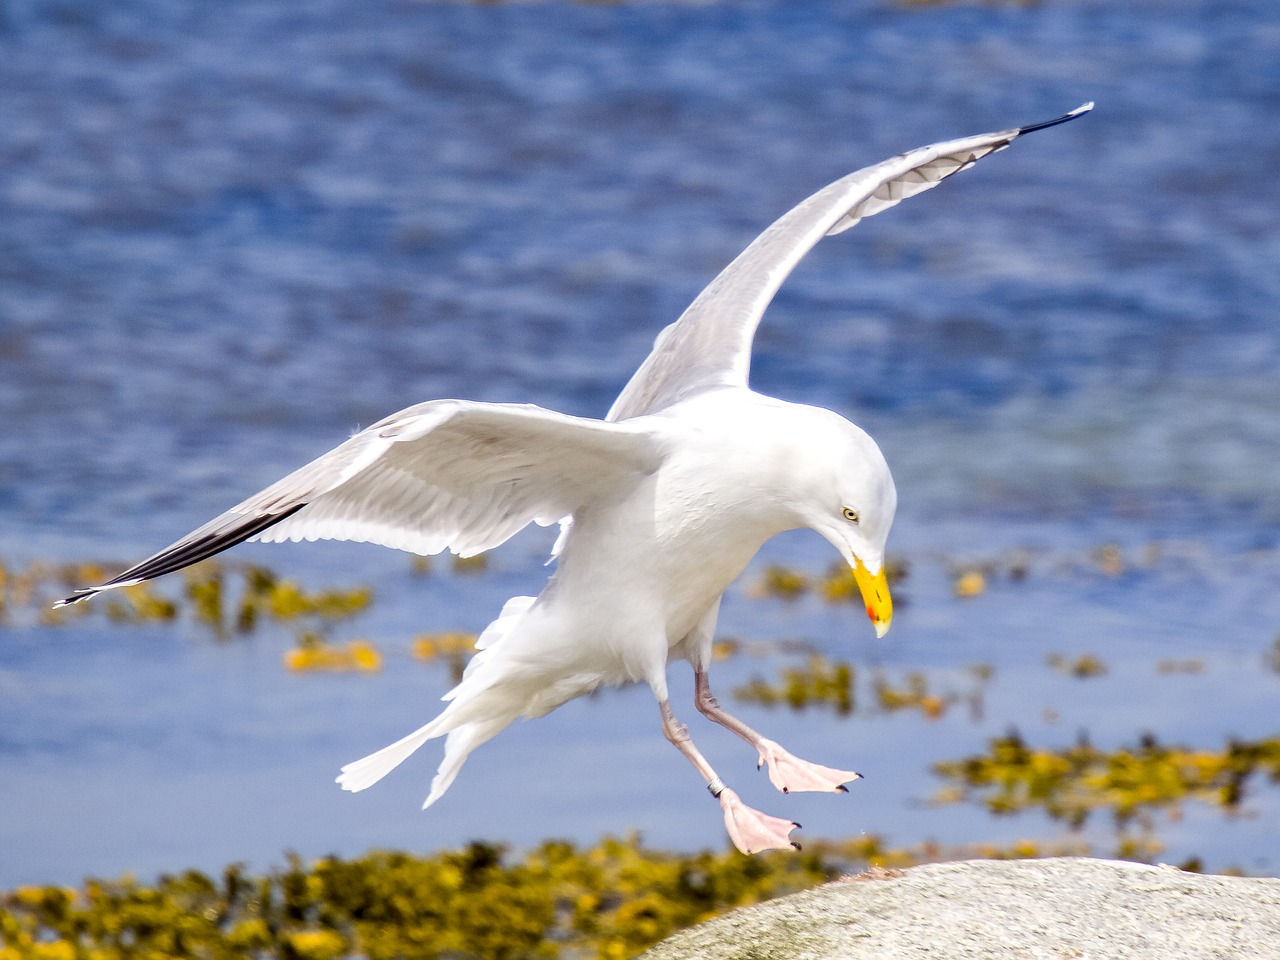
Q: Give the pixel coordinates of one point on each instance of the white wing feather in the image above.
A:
(446, 474)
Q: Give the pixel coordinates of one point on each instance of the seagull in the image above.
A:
(660, 505)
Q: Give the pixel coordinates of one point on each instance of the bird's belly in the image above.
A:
(630, 608)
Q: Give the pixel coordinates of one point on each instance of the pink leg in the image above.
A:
(750, 830)
(786, 772)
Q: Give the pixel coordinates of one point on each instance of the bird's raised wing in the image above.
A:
(445, 474)
(710, 344)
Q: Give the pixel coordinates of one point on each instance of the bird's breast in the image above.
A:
(661, 556)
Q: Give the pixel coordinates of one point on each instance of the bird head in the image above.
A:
(849, 498)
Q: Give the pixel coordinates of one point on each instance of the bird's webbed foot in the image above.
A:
(789, 773)
(752, 831)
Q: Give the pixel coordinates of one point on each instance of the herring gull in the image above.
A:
(661, 505)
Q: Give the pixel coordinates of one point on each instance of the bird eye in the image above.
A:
(851, 514)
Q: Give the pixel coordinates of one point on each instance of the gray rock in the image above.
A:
(1060, 909)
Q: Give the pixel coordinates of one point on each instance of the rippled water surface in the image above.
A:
(232, 233)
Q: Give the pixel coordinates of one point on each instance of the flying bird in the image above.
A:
(661, 505)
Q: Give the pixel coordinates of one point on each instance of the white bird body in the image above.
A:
(661, 506)
(641, 572)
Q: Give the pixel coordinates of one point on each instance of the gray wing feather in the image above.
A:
(709, 346)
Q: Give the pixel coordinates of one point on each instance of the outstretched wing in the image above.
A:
(710, 344)
(445, 474)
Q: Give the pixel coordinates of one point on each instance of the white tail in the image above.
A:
(456, 750)
(367, 771)
(476, 714)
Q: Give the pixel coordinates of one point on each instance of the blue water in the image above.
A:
(231, 234)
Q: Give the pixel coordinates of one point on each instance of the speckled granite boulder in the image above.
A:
(1060, 909)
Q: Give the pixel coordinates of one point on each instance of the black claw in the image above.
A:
(796, 826)
(796, 845)
(841, 788)
(785, 790)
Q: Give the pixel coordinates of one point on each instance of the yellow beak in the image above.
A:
(875, 594)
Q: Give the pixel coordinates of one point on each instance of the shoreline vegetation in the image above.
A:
(610, 900)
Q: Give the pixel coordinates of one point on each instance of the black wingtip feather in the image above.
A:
(1077, 112)
(186, 552)
(84, 593)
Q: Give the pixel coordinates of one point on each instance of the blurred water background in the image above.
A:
(232, 233)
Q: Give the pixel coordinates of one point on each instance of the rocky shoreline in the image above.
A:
(1057, 909)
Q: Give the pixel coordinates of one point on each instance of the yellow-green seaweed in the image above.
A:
(609, 900)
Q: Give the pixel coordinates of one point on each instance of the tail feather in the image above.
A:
(485, 702)
(365, 772)
(457, 748)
